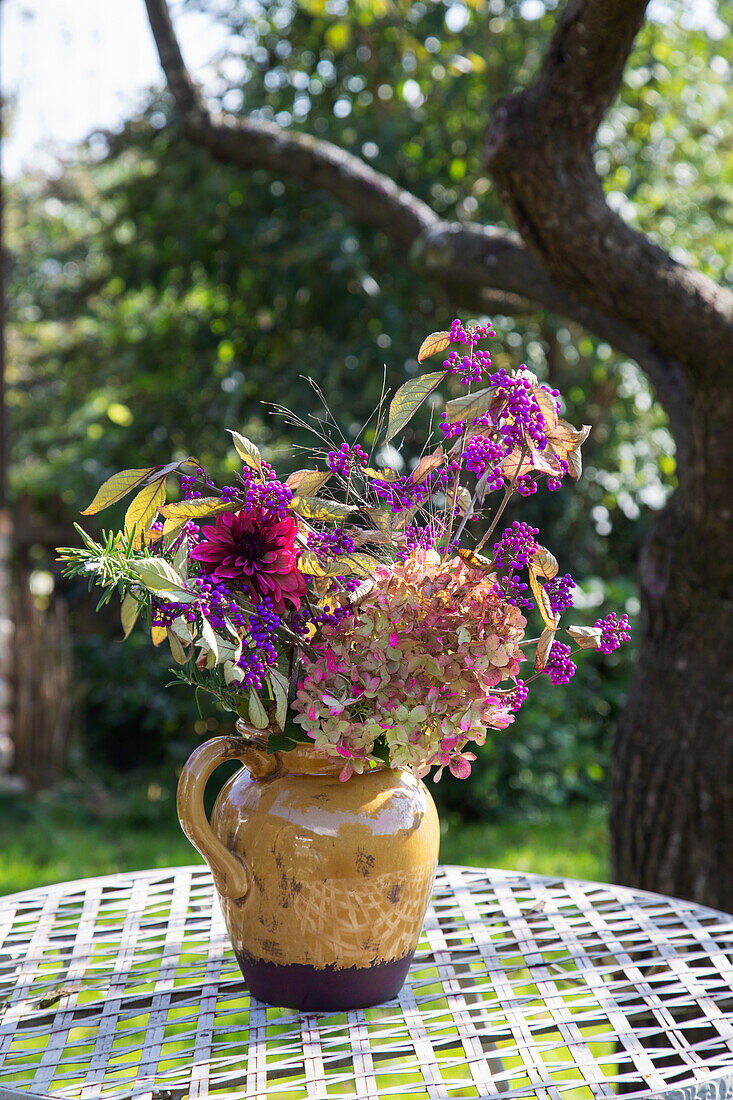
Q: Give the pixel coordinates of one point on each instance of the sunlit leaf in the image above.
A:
(544, 646)
(515, 464)
(363, 590)
(388, 523)
(307, 482)
(233, 674)
(478, 561)
(575, 464)
(116, 487)
(587, 637)
(426, 466)
(545, 564)
(390, 476)
(346, 565)
(409, 398)
(129, 611)
(197, 508)
(547, 405)
(469, 405)
(159, 634)
(247, 451)
(144, 508)
(543, 602)
(433, 344)
(317, 508)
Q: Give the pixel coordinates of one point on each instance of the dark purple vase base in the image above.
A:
(311, 989)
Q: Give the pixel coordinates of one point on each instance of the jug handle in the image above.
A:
(230, 874)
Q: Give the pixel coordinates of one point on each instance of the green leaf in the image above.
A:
(432, 344)
(177, 650)
(469, 406)
(409, 398)
(280, 687)
(144, 508)
(257, 713)
(129, 611)
(159, 576)
(117, 487)
(233, 674)
(291, 736)
(327, 511)
(247, 451)
(210, 638)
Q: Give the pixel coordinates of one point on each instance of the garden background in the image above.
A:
(156, 296)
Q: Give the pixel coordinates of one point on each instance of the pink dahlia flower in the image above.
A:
(255, 551)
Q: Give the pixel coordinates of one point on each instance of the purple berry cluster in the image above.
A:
(343, 461)
(216, 602)
(418, 538)
(261, 653)
(270, 494)
(526, 485)
(330, 544)
(190, 481)
(470, 367)
(164, 613)
(402, 494)
(560, 592)
(519, 409)
(515, 699)
(461, 335)
(555, 483)
(481, 454)
(512, 589)
(516, 547)
(559, 667)
(613, 632)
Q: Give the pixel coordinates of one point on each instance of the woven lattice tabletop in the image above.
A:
(125, 986)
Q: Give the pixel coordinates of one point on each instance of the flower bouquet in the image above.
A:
(349, 619)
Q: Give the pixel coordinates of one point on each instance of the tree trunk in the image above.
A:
(672, 759)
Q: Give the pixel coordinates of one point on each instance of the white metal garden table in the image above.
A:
(522, 986)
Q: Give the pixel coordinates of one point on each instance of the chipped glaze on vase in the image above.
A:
(323, 884)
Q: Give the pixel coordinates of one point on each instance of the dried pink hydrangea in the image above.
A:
(418, 662)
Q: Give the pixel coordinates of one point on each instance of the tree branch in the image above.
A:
(539, 154)
(484, 268)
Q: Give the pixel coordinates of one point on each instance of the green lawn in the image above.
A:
(53, 838)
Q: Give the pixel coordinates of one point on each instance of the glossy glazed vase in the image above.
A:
(323, 884)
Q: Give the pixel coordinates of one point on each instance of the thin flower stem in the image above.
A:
(474, 501)
(508, 493)
(456, 483)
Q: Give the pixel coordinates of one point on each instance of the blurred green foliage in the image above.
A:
(158, 297)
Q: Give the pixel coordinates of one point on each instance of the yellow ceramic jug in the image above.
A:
(324, 884)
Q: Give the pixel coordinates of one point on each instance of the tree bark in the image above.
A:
(672, 766)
